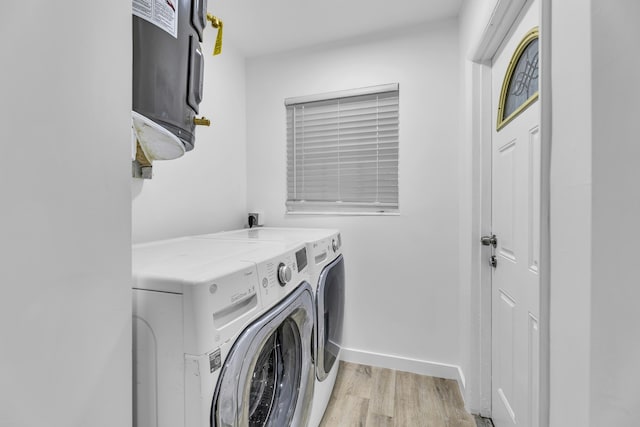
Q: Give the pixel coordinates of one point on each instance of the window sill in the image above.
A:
(345, 213)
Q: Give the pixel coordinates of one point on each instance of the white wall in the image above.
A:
(571, 238)
(65, 312)
(205, 190)
(402, 271)
(595, 207)
(615, 289)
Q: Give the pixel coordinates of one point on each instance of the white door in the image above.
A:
(516, 225)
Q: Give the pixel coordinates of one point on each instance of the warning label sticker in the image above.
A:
(161, 13)
(215, 361)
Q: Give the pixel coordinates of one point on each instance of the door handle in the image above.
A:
(489, 240)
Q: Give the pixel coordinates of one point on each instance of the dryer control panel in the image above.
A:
(325, 250)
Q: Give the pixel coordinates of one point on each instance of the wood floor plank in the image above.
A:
(383, 390)
(376, 397)
(410, 405)
(346, 411)
(377, 420)
(449, 392)
(354, 380)
(433, 405)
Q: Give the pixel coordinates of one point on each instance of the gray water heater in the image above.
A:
(168, 64)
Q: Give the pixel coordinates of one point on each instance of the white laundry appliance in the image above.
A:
(221, 334)
(326, 263)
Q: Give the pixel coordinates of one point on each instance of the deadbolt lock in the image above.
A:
(493, 261)
(489, 240)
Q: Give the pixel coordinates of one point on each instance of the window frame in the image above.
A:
(528, 38)
(326, 207)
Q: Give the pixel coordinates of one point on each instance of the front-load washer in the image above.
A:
(219, 340)
(326, 264)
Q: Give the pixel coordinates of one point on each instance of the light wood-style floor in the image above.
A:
(378, 397)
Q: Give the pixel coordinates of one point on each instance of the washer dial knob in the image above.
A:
(284, 274)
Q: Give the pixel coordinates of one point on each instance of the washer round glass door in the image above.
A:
(267, 377)
(276, 378)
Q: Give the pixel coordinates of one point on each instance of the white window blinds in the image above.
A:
(342, 151)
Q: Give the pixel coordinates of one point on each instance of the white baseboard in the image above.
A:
(398, 363)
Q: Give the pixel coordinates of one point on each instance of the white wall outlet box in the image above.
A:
(255, 218)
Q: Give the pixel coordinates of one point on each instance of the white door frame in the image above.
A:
(504, 15)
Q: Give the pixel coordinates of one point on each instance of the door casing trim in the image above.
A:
(504, 15)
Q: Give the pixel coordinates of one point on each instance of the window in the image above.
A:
(342, 151)
(520, 86)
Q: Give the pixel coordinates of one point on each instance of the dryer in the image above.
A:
(326, 264)
(221, 334)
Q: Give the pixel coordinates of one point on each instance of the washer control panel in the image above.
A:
(281, 274)
(284, 274)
